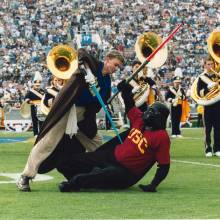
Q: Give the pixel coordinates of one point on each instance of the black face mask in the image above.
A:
(156, 116)
(151, 118)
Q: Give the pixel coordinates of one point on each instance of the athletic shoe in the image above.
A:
(23, 183)
(173, 136)
(179, 136)
(217, 153)
(208, 154)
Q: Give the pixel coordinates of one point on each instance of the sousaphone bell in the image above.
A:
(62, 61)
(213, 95)
(145, 45)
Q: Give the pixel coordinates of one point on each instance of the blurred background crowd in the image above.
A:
(30, 28)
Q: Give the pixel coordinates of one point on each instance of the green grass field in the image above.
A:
(191, 189)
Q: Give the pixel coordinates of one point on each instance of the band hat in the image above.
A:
(37, 82)
(37, 78)
(177, 79)
(178, 72)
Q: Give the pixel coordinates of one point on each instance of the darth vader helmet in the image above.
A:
(156, 116)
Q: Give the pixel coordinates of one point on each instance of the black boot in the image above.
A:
(68, 187)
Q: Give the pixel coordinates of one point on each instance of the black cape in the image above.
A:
(69, 94)
(62, 104)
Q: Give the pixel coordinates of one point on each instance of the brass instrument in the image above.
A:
(62, 61)
(177, 98)
(144, 46)
(44, 109)
(141, 91)
(213, 43)
(213, 95)
(26, 108)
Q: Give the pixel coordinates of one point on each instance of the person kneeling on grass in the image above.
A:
(121, 166)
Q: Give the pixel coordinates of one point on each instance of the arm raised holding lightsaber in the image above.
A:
(149, 58)
(92, 85)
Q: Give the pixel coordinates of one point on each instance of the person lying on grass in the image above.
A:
(119, 166)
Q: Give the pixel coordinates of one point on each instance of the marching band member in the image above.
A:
(33, 97)
(51, 93)
(141, 79)
(175, 96)
(207, 81)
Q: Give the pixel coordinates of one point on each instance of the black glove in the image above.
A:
(123, 86)
(85, 57)
(126, 94)
(150, 81)
(147, 80)
(148, 188)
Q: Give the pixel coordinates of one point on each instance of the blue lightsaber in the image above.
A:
(95, 91)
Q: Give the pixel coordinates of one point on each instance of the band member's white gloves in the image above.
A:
(59, 86)
(50, 102)
(175, 101)
(90, 78)
(136, 89)
(154, 86)
(212, 85)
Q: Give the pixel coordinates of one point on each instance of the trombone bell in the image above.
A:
(62, 61)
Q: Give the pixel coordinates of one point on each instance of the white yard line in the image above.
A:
(196, 163)
(13, 177)
(190, 138)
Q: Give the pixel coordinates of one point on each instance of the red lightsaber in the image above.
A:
(148, 59)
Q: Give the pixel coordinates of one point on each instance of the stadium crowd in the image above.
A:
(30, 28)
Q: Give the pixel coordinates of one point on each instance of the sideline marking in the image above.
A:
(15, 176)
(11, 140)
(196, 163)
(190, 138)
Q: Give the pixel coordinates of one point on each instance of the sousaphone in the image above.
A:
(25, 110)
(213, 95)
(62, 61)
(145, 45)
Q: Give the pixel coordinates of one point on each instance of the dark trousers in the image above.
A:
(107, 123)
(212, 121)
(97, 169)
(35, 122)
(67, 148)
(200, 120)
(176, 113)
